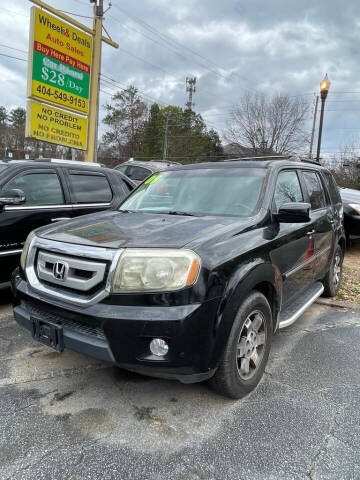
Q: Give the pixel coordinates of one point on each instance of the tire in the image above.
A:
(231, 378)
(332, 279)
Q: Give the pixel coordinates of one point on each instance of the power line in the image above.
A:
(76, 14)
(115, 83)
(11, 56)
(176, 45)
(13, 48)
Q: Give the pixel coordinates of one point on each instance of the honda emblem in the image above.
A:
(60, 270)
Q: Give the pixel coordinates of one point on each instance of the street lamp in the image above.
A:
(324, 90)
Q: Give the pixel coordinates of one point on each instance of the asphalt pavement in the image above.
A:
(67, 416)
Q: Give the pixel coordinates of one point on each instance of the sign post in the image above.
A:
(91, 152)
(64, 71)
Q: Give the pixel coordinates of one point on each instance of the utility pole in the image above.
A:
(313, 127)
(165, 150)
(190, 87)
(91, 152)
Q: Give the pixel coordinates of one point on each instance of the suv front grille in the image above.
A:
(71, 274)
(75, 273)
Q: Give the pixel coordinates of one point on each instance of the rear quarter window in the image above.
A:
(90, 188)
(332, 188)
(315, 189)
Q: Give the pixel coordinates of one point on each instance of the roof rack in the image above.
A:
(71, 162)
(262, 158)
(307, 160)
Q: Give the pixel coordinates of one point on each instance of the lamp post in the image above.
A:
(324, 90)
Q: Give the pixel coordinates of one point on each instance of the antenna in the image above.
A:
(190, 87)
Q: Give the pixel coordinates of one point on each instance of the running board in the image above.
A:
(300, 305)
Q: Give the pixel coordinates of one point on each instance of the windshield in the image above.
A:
(213, 191)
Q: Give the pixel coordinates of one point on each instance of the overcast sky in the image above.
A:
(229, 45)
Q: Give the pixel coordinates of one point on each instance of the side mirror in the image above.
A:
(12, 197)
(296, 212)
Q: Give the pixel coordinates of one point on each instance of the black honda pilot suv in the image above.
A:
(192, 275)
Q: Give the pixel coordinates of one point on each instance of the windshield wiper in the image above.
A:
(179, 212)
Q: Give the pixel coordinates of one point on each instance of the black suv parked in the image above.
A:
(193, 275)
(33, 194)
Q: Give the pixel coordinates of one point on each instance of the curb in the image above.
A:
(338, 303)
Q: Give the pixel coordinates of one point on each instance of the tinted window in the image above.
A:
(39, 188)
(315, 190)
(125, 187)
(122, 168)
(200, 191)
(137, 173)
(287, 189)
(91, 188)
(332, 188)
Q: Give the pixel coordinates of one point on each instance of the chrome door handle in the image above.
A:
(59, 219)
(311, 232)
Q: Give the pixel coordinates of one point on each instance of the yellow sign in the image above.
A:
(59, 62)
(53, 125)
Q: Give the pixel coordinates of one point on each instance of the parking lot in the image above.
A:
(69, 416)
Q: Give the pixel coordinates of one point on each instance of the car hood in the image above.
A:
(137, 229)
(349, 195)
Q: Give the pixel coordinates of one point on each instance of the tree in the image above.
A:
(153, 133)
(125, 119)
(188, 139)
(4, 131)
(345, 165)
(269, 124)
(17, 119)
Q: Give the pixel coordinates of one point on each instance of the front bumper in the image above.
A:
(121, 334)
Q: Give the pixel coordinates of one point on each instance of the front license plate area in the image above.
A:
(48, 333)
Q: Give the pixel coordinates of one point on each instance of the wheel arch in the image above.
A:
(342, 243)
(261, 276)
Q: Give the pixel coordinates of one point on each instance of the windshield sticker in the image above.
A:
(153, 178)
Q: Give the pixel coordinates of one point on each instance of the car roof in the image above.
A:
(151, 164)
(53, 163)
(349, 194)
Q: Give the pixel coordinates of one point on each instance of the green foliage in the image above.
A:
(3, 116)
(17, 118)
(125, 119)
(188, 138)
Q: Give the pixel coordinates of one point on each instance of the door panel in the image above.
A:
(293, 258)
(323, 219)
(294, 248)
(44, 204)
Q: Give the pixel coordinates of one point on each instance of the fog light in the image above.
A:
(159, 347)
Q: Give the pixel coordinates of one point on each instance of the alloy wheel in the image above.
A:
(251, 345)
(337, 270)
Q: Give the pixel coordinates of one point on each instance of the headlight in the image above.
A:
(26, 249)
(356, 207)
(155, 270)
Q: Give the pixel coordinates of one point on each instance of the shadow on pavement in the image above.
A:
(5, 296)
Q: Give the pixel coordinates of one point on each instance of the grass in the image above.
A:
(350, 284)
